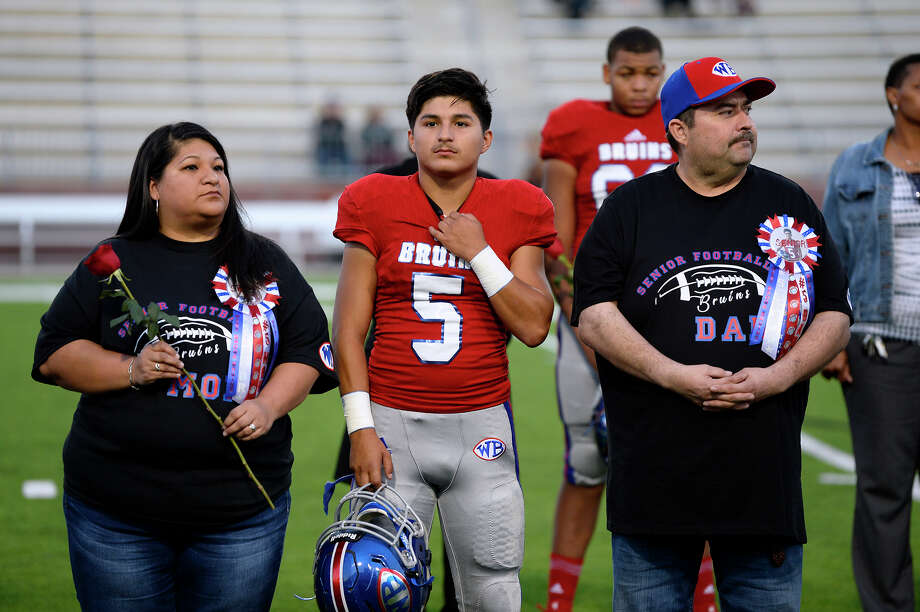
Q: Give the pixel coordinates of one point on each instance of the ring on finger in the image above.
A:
(156, 364)
(252, 427)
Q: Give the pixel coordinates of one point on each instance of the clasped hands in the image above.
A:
(715, 389)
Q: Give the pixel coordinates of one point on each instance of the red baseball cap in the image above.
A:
(705, 80)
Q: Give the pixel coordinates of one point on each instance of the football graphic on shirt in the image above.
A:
(699, 281)
(194, 336)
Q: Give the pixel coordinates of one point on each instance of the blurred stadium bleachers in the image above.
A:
(83, 81)
(828, 57)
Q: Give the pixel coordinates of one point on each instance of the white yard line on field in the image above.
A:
(828, 454)
(26, 292)
(840, 460)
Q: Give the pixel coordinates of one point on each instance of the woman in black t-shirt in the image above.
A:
(160, 512)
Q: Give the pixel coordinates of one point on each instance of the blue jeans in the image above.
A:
(128, 566)
(660, 574)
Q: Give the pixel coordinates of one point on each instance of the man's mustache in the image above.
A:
(749, 136)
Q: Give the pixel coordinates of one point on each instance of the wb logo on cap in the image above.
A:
(723, 69)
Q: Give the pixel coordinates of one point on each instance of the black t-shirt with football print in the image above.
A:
(155, 454)
(688, 274)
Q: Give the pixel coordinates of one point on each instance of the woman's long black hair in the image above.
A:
(245, 253)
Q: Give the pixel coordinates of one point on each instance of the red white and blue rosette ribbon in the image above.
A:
(254, 344)
(788, 298)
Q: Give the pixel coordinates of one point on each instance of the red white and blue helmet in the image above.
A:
(374, 556)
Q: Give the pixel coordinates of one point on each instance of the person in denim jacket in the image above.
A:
(872, 209)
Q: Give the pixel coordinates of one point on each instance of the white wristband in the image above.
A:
(357, 408)
(492, 272)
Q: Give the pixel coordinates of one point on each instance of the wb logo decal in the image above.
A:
(325, 354)
(393, 592)
(723, 69)
(489, 449)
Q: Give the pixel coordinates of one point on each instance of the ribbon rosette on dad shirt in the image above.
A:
(787, 305)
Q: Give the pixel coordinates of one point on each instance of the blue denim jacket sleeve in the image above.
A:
(831, 210)
(857, 209)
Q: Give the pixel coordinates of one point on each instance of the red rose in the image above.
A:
(103, 261)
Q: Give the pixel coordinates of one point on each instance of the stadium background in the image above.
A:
(83, 81)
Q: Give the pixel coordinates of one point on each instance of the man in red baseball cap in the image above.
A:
(699, 289)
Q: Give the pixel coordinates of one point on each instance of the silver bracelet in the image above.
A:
(131, 375)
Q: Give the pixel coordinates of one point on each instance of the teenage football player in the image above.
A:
(447, 264)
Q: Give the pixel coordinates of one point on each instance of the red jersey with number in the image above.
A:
(438, 344)
(606, 148)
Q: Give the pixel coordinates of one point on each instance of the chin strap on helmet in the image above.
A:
(329, 489)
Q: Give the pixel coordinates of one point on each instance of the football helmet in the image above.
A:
(599, 422)
(374, 556)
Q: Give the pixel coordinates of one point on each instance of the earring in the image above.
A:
(895, 108)
(157, 207)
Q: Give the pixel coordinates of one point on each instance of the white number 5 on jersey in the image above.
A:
(424, 285)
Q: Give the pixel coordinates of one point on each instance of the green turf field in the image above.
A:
(35, 419)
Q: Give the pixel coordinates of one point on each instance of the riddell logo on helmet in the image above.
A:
(348, 536)
(724, 70)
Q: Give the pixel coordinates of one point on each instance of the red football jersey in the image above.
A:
(606, 148)
(438, 344)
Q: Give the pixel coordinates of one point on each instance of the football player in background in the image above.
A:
(589, 148)
(447, 264)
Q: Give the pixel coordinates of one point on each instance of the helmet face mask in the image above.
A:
(374, 556)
